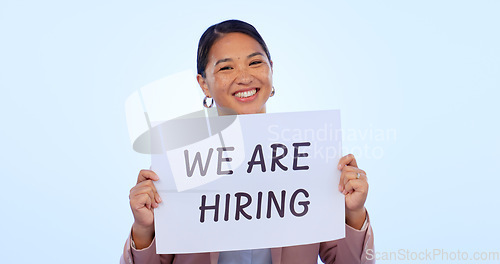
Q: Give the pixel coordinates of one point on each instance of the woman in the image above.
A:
(235, 70)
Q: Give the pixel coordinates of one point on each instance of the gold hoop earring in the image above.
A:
(272, 92)
(205, 102)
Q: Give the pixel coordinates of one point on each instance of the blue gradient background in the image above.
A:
(428, 70)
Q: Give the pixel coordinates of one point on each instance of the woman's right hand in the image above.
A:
(143, 199)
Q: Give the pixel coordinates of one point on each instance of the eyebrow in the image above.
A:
(229, 59)
(255, 54)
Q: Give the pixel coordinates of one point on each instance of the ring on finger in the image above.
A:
(358, 175)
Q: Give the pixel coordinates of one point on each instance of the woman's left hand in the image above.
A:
(355, 190)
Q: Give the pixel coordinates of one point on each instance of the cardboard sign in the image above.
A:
(247, 181)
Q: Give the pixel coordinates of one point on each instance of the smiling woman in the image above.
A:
(235, 69)
(238, 73)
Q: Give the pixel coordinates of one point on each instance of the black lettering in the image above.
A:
(305, 204)
(276, 159)
(251, 163)
(228, 159)
(197, 159)
(240, 208)
(204, 207)
(226, 211)
(259, 205)
(272, 198)
(296, 155)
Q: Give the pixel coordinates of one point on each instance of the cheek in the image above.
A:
(267, 76)
(220, 85)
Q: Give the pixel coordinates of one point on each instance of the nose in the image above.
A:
(244, 77)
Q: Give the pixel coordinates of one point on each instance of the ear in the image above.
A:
(203, 85)
(271, 62)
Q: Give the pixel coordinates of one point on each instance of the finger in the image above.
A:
(149, 184)
(349, 172)
(157, 198)
(147, 175)
(362, 177)
(355, 185)
(341, 182)
(140, 191)
(349, 168)
(347, 160)
(140, 201)
(144, 190)
(146, 183)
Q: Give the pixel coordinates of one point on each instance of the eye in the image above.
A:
(255, 63)
(225, 68)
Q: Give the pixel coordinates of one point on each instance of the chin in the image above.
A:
(252, 111)
(241, 110)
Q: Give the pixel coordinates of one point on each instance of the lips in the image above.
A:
(246, 95)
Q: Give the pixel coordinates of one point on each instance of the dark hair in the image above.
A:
(218, 30)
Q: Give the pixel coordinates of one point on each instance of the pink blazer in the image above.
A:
(349, 250)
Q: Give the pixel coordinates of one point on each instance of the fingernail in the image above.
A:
(159, 199)
(339, 166)
(340, 188)
(344, 192)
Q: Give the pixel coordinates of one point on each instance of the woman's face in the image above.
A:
(238, 75)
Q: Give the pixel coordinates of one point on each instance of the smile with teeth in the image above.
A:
(246, 94)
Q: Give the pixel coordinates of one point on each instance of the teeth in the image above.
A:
(246, 94)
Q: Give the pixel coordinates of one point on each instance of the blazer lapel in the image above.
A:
(276, 255)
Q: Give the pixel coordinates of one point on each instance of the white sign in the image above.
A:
(248, 182)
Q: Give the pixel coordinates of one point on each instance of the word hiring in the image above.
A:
(256, 160)
(272, 201)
